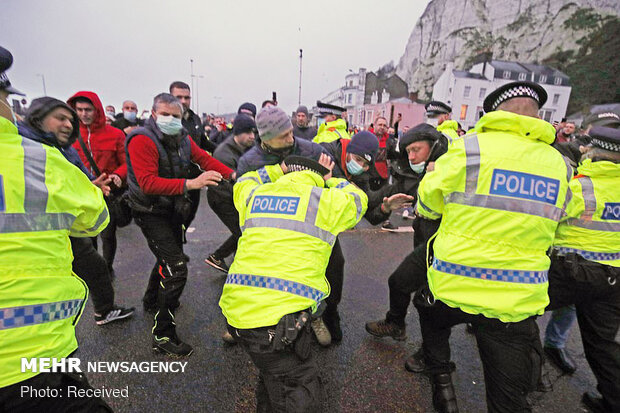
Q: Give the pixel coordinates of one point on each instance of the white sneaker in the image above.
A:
(321, 332)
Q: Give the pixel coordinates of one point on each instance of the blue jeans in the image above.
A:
(556, 333)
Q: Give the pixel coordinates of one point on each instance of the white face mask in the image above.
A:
(169, 125)
(417, 167)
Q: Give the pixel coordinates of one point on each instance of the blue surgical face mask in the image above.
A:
(130, 115)
(417, 167)
(169, 125)
(354, 168)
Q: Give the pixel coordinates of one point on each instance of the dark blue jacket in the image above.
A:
(257, 157)
(69, 152)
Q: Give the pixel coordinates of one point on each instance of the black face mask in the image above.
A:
(281, 152)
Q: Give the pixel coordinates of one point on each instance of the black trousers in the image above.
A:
(18, 397)
(405, 280)
(335, 276)
(223, 206)
(164, 235)
(93, 269)
(511, 353)
(594, 289)
(286, 383)
(108, 242)
(194, 196)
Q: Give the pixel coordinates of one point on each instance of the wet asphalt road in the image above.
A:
(361, 374)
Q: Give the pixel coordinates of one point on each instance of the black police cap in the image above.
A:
(6, 60)
(296, 163)
(435, 107)
(605, 138)
(326, 108)
(523, 89)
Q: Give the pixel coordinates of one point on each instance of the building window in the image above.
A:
(463, 112)
(479, 112)
(545, 114)
(557, 80)
(556, 98)
(349, 98)
(506, 74)
(467, 91)
(483, 92)
(522, 76)
(542, 78)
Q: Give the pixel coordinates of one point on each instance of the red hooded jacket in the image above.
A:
(106, 143)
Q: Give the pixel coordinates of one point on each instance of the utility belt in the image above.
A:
(292, 333)
(583, 270)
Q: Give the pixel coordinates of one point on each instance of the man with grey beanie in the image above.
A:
(301, 129)
(276, 141)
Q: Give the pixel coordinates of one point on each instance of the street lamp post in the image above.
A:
(197, 106)
(43, 79)
(217, 99)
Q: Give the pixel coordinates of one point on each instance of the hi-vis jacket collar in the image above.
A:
(526, 126)
(599, 168)
(304, 177)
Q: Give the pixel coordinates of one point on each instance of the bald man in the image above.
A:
(129, 119)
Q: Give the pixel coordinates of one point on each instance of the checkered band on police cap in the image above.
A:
(606, 145)
(521, 91)
(296, 163)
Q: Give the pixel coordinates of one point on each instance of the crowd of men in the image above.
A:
(513, 218)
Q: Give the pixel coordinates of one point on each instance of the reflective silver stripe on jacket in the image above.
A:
(35, 221)
(470, 198)
(287, 286)
(472, 165)
(589, 199)
(249, 178)
(35, 197)
(524, 206)
(291, 225)
(595, 225)
(29, 315)
(307, 226)
(35, 194)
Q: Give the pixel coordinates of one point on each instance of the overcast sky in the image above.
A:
(133, 49)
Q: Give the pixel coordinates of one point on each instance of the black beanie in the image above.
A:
(247, 106)
(421, 132)
(41, 107)
(364, 144)
(243, 123)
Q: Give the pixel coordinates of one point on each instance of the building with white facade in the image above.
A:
(465, 91)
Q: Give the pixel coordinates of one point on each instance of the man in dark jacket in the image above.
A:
(192, 124)
(422, 145)
(277, 144)
(221, 197)
(158, 159)
(301, 129)
(52, 122)
(128, 119)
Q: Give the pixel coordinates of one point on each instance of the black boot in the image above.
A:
(444, 396)
(332, 322)
(595, 403)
